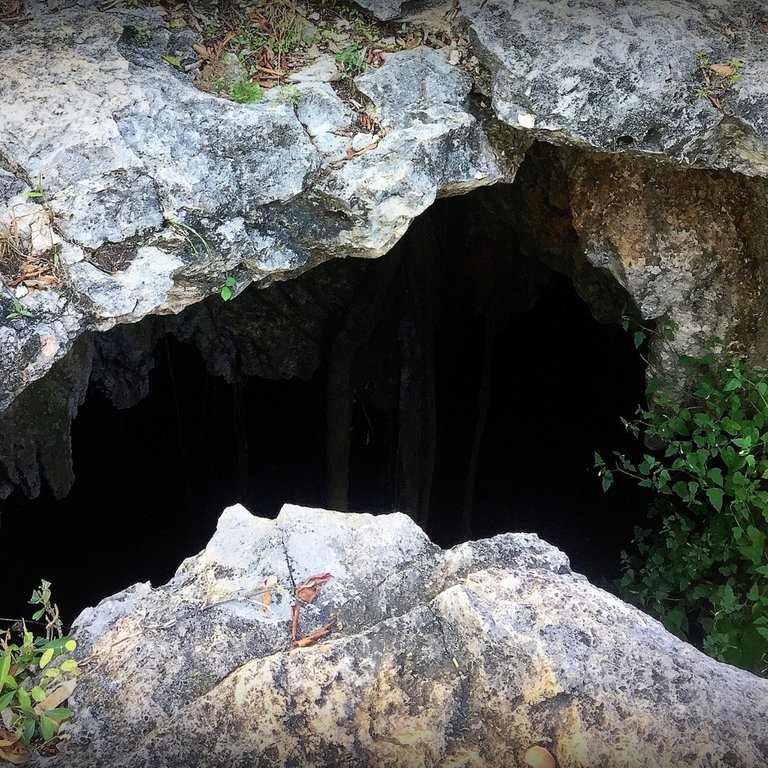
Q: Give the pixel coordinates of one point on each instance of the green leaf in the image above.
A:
(70, 665)
(716, 476)
(226, 293)
(70, 644)
(638, 337)
(45, 659)
(686, 361)
(729, 601)
(48, 728)
(6, 699)
(59, 713)
(653, 386)
(5, 666)
(28, 732)
(715, 496)
(25, 701)
(607, 480)
(173, 61)
(38, 694)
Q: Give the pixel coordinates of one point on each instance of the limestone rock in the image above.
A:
(160, 191)
(462, 657)
(148, 193)
(624, 77)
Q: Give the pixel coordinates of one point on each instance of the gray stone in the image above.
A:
(461, 657)
(155, 192)
(624, 77)
(320, 110)
(322, 70)
(160, 191)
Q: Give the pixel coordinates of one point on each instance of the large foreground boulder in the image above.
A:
(465, 657)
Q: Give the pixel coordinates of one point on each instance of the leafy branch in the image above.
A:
(704, 569)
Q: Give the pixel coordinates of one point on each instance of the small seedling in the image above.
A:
(289, 93)
(718, 78)
(192, 236)
(38, 191)
(246, 92)
(142, 34)
(351, 60)
(226, 289)
(18, 311)
(31, 686)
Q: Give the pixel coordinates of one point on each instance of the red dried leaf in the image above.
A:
(311, 586)
(313, 636)
(294, 622)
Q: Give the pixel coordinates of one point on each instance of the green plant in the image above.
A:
(704, 569)
(246, 92)
(192, 236)
(18, 311)
(351, 60)
(718, 78)
(226, 289)
(142, 34)
(176, 20)
(173, 61)
(32, 686)
(289, 93)
(38, 191)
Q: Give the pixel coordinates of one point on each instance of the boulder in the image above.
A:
(403, 654)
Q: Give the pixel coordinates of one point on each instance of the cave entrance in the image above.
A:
(460, 378)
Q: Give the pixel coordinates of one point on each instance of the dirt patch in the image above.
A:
(247, 48)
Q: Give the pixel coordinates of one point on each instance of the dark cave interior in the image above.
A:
(478, 392)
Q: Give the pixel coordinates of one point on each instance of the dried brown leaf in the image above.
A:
(723, 70)
(202, 51)
(56, 697)
(42, 283)
(294, 622)
(308, 591)
(313, 636)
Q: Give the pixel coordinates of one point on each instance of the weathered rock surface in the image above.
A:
(617, 77)
(154, 192)
(464, 657)
(159, 191)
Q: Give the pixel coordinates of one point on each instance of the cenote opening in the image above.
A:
(460, 378)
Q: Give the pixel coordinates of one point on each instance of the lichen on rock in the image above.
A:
(467, 656)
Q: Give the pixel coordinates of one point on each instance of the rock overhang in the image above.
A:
(147, 193)
(133, 151)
